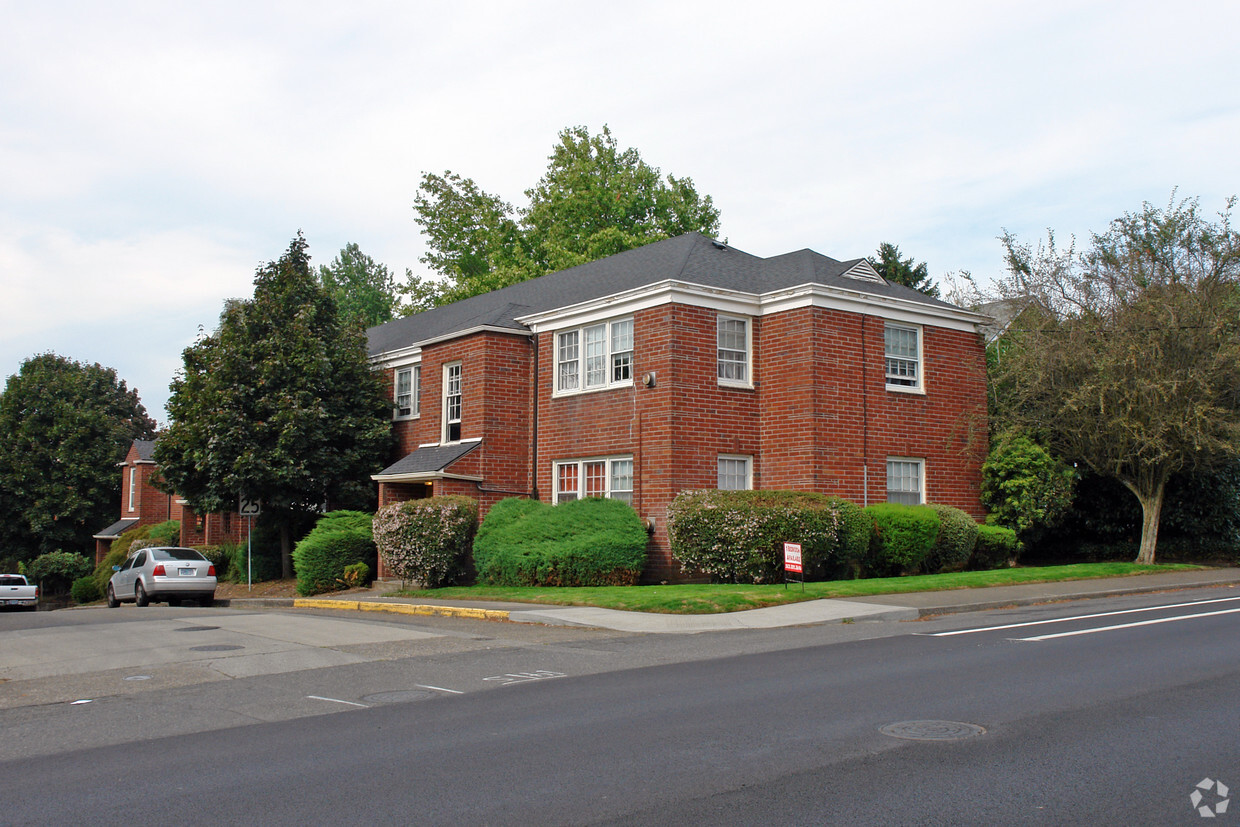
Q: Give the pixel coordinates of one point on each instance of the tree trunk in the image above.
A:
(286, 552)
(1150, 495)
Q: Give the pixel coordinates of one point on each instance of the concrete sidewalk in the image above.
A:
(879, 607)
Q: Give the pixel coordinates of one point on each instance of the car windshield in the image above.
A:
(12, 581)
(175, 554)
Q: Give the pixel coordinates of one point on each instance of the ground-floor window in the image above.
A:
(906, 481)
(601, 477)
(735, 473)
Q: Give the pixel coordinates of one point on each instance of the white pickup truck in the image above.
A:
(15, 591)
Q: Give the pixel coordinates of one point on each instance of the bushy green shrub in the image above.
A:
(856, 533)
(1024, 487)
(262, 564)
(738, 536)
(996, 547)
(955, 541)
(427, 540)
(903, 537)
(339, 539)
(588, 542)
(356, 575)
(138, 545)
(219, 556)
(166, 533)
(85, 590)
(56, 570)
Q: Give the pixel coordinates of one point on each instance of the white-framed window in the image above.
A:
(732, 339)
(452, 402)
(408, 392)
(902, 356)
(601, 477)
(735, 473)
(906, 480)
(133, 487)
(594, 357)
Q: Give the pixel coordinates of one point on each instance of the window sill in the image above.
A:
(586, 391)
(917, 391)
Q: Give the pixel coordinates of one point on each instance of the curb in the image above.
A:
(400, 608)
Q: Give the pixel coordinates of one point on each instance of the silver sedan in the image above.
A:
(163, 575)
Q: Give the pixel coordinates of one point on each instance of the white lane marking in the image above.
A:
(439, 689)
(336, 701)
(1076, 617)
(1131, 625)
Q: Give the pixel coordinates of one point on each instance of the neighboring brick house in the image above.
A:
(688, 364)
(144, 504)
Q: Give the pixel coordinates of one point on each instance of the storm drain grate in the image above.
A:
(398, 697)
(196, 629)
(932, 730)
(216, 647)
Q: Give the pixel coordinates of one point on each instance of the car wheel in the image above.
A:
(206, 601)
(112, 601)
(139, 595)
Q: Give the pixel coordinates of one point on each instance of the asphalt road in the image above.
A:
(1104, 723)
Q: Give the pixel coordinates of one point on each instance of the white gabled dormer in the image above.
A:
(863, 271)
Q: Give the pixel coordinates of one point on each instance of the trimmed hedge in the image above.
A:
(996, 547)
(904, 536)
(338, 540)
(738, 536)
(588, 542)
(427, 540)
(955, 541)
(84, 590)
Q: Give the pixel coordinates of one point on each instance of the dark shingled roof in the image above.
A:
(146, 449)
(115, 530)
(428, 459)
(691, 258)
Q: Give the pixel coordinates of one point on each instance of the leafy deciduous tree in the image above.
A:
(279, 403)
(64, 426)
(363, 289)
(1134, 367)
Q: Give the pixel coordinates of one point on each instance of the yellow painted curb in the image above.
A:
(401, 608)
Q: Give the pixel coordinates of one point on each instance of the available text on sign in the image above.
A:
(792, 557)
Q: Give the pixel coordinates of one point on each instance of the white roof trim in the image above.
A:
(425, 476)
(412, 352)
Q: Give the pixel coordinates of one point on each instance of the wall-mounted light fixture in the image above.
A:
(649, 379)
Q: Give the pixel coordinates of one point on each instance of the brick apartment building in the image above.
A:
(689, 364)
(144, 504)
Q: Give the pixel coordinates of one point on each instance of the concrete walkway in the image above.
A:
(879, 607)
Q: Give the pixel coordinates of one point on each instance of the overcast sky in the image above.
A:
(152, 155)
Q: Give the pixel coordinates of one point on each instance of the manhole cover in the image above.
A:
(932, 730)
(398, 697)
(196, 629)
(216, 647)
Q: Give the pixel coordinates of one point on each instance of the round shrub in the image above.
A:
(996, 547)
(955, 541)
(738, 536)
(84, 590)
(356, 575)
(427, 540)
(903, 537)
(1024, 487)
(56, 571)
(322, 556)
(588, 542)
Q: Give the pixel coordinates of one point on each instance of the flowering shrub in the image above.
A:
(427, 540)
(589, 542)
(738, 536)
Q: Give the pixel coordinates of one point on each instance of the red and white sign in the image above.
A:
(792, 557)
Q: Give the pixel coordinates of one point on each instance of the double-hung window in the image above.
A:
(902, 357)
(133, 488)
(734, 474)
(732, 343)
(607, 477)
(408, 391)
(452, 402)
(906, 481)
(594, 357)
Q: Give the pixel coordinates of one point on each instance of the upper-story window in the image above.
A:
(594, 357)
(733, 343)
(902, 352)
(133, 487)
(408, 392)
(452, 402)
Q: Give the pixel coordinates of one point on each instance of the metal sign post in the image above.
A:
(792, 564)
(249, 509)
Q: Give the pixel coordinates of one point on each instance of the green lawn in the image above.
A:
(709, 598)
